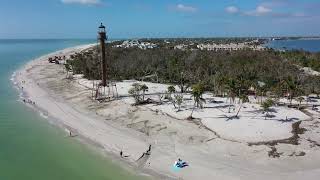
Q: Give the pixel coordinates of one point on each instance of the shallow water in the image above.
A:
(312, 45)
(30, 147)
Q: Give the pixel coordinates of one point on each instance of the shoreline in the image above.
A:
(56, 121)
(109, 134)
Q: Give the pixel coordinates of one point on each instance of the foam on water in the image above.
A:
(44, 115)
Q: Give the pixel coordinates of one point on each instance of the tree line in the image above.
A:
(223, 73)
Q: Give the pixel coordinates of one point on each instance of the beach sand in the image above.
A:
(214, 150)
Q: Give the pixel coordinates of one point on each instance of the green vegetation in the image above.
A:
(179, 100)
(171, 90)
(68, 69)
(272, 73)
(243, 98)
(197, 91)
(266, 106)
(302, 58)
(196, 94)
(144, 88)
(138, 92)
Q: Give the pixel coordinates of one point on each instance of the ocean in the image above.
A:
(311, 45)
(30, 147)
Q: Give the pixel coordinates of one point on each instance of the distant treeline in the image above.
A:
(302, 58)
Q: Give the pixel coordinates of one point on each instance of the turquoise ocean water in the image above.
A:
(307, 45)
(30, 147)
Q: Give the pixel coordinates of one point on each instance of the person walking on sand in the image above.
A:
(149, 150)
(121, 153)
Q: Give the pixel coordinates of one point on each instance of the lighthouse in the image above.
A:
(102, 38)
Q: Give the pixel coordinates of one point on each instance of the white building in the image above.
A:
(136, 43)
(229, 47)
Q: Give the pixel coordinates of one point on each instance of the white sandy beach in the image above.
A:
(214, 147)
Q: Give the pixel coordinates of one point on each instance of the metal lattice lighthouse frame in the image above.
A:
(100, 88)
(102, 38)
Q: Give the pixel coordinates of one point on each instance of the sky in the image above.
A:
(158, 18)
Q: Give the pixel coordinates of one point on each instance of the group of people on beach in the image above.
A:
(181, 164)
(123, 156)
(29, 101)
(148, 152)
(56, 59)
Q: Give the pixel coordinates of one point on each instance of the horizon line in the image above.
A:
(182, 37)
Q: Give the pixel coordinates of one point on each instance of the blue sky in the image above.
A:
(158, 18)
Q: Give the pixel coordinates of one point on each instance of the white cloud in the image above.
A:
(259, 11)
(184, 8)
(267, 9)
(82, 2)
(232, 9)
(263, 10)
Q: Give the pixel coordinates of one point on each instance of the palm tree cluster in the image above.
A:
(176, 99)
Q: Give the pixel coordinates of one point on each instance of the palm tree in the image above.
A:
(179, 100)
(68, 69)
(260, 90)
(143, 88)
(278, 89)
(197, 92)
(244, 98)
(300, 99)
(242, 87)
(266, 106)
(220, 82)
(183, 82)
(231, 86)
(292, 87)
(171, 90)
(135, 92)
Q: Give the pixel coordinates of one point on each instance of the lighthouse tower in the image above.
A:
(106, 89)
(102, 37)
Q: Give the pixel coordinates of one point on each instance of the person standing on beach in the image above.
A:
(149, 150)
